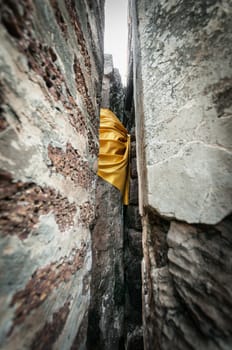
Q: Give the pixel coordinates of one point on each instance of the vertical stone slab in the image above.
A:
(106, 316)
(183, 68)
(51, 66)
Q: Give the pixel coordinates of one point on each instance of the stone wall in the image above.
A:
(182, 92)
(69, 276)
(106, 316)
(51, 62)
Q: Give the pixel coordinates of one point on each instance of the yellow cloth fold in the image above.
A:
(113, 159)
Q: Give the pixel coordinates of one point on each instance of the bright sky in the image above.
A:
(116, 34)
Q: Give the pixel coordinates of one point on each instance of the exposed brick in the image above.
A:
(42, 60)
(40, 57)
(87, 213)
(77, 120)
(92, 145)
(70, 4)
(21, 205)
(83, 90)
(80, 80)
(70, 163)
(39, 43)
(44, 281)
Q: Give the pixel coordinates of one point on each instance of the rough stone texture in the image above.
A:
(106, 316)
(183, 75)
(112, 90)
(51, 66)
(187, 285)
(201, 255)
(182, 91)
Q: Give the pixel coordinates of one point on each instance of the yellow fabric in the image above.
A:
(113, 159)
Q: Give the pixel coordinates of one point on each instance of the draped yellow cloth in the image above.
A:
(113, 159)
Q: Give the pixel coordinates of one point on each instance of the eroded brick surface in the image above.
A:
(83, 90)
(77, 120)
(44, 281)
(87, 213)
(71, 164)
(42, 59)
(47, 106)
(22, 204)
(70, 4)
(92, 145)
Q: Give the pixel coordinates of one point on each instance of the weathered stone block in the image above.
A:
(182, 55)
(200, 264)
(51, 64)
(187, 297)
(105, 325)
(106, 316)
